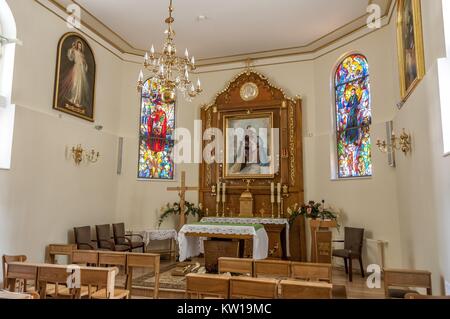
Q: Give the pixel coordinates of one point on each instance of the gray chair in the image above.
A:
(105, 241)
(121, 238)
(83, 238)
(353, 245)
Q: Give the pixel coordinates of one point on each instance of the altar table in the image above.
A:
(262, 221)
(191, 237)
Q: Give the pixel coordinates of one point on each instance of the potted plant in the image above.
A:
(316, 212)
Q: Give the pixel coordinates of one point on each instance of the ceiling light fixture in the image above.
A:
(168, 71)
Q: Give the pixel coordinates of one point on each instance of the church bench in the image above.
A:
(85, 257)
(236, 266)
(103, 279)
(19, 272)
(253, 288)
(207, 285)
(18, 296)
(312, 272)
(305, 290)
(5, 261)
(146, 261)
(398, 282)
(272, 269)
(107, 259)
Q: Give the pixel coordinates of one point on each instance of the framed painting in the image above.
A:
(249, 146)
(75, 77)
(156, 136)
(410, 46)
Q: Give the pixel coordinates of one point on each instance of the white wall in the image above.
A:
(423, 178)
(45, 195)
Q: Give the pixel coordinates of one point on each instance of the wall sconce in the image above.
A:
(402, 143)
(79, 154)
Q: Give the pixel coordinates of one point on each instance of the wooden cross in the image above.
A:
(182, 193)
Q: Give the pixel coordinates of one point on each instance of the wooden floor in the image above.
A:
(356, 290)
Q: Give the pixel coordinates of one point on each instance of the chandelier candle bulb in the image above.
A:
(186, 54)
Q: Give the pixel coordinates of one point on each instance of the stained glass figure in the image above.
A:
(156, 140)
(353, 117)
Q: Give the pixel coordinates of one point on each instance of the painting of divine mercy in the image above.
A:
(75, 77)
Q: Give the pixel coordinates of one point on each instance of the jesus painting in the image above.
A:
(75, 77)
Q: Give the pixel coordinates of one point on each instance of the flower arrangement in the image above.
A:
(175, 209)
(312, 210)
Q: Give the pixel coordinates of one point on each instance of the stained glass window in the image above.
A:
(156, 140)
(353, 117)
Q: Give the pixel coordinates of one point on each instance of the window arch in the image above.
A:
(7, 111)
(353, 117)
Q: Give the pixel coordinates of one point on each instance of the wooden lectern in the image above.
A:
(316, 226)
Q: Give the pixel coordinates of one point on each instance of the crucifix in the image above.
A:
(182, 194)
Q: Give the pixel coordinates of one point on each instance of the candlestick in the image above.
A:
(279, 193)
(218, 192)
(272, 193)
(224, 195)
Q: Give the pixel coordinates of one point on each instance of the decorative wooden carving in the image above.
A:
(252, 93)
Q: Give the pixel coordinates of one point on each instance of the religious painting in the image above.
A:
(249, 146)
(353, 117)
(410, 46)
(75, 77)
(156, 136)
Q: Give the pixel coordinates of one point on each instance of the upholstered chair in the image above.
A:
(122, 238)
(83, 238)
(353, 245)
(105, 241)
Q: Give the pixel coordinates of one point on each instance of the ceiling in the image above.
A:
(232, 28)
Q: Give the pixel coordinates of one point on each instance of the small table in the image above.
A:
(160, 235)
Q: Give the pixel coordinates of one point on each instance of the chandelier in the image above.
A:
(169, 72)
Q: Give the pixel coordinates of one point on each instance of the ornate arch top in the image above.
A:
(249, 87)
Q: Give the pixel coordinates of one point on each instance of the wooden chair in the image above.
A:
(60, 250)
(272, 269)
(253, 288)
(312, 272)
(17, 274)
(85, 257)
(105, 241)
(118, 259)
(207, 285)
(83, 238)
(398, 283)
(57, 276)
(121, 238)
(236, 266)
(353, 245)
(305, 290)
(9, 259)
(146, 261)
(104, 280)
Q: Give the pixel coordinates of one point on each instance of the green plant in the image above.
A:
(311, 210)
(175, 209)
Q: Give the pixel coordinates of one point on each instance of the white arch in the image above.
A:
(7, 110)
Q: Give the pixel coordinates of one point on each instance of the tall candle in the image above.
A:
(224, 188)
(218, 192)
(272, 193)
(279, 192)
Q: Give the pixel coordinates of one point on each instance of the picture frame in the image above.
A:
(254, 155)
(75, 77)
(410, 46)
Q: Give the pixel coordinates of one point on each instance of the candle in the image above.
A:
(272, 193)
(218, 192)
(279, 193)
(224, 188)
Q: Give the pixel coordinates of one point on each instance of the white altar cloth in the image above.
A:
(262, 221)
(191, 246)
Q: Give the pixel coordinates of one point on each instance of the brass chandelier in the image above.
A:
(168, 71)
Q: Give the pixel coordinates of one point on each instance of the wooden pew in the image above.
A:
(146, 261)
(117, 259)
(54, 250)
(305, 290)
(272, 269)
(253, 288)
(312, 272)
(57, 275)
(236, 266)
(85, 257)
(398, 282)
(16, 295)
(207, 285)
(104, 280)
(5, 261)
(18, 271)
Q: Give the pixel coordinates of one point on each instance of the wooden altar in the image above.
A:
(251, 96)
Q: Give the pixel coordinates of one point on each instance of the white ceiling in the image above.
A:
(233, 27)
